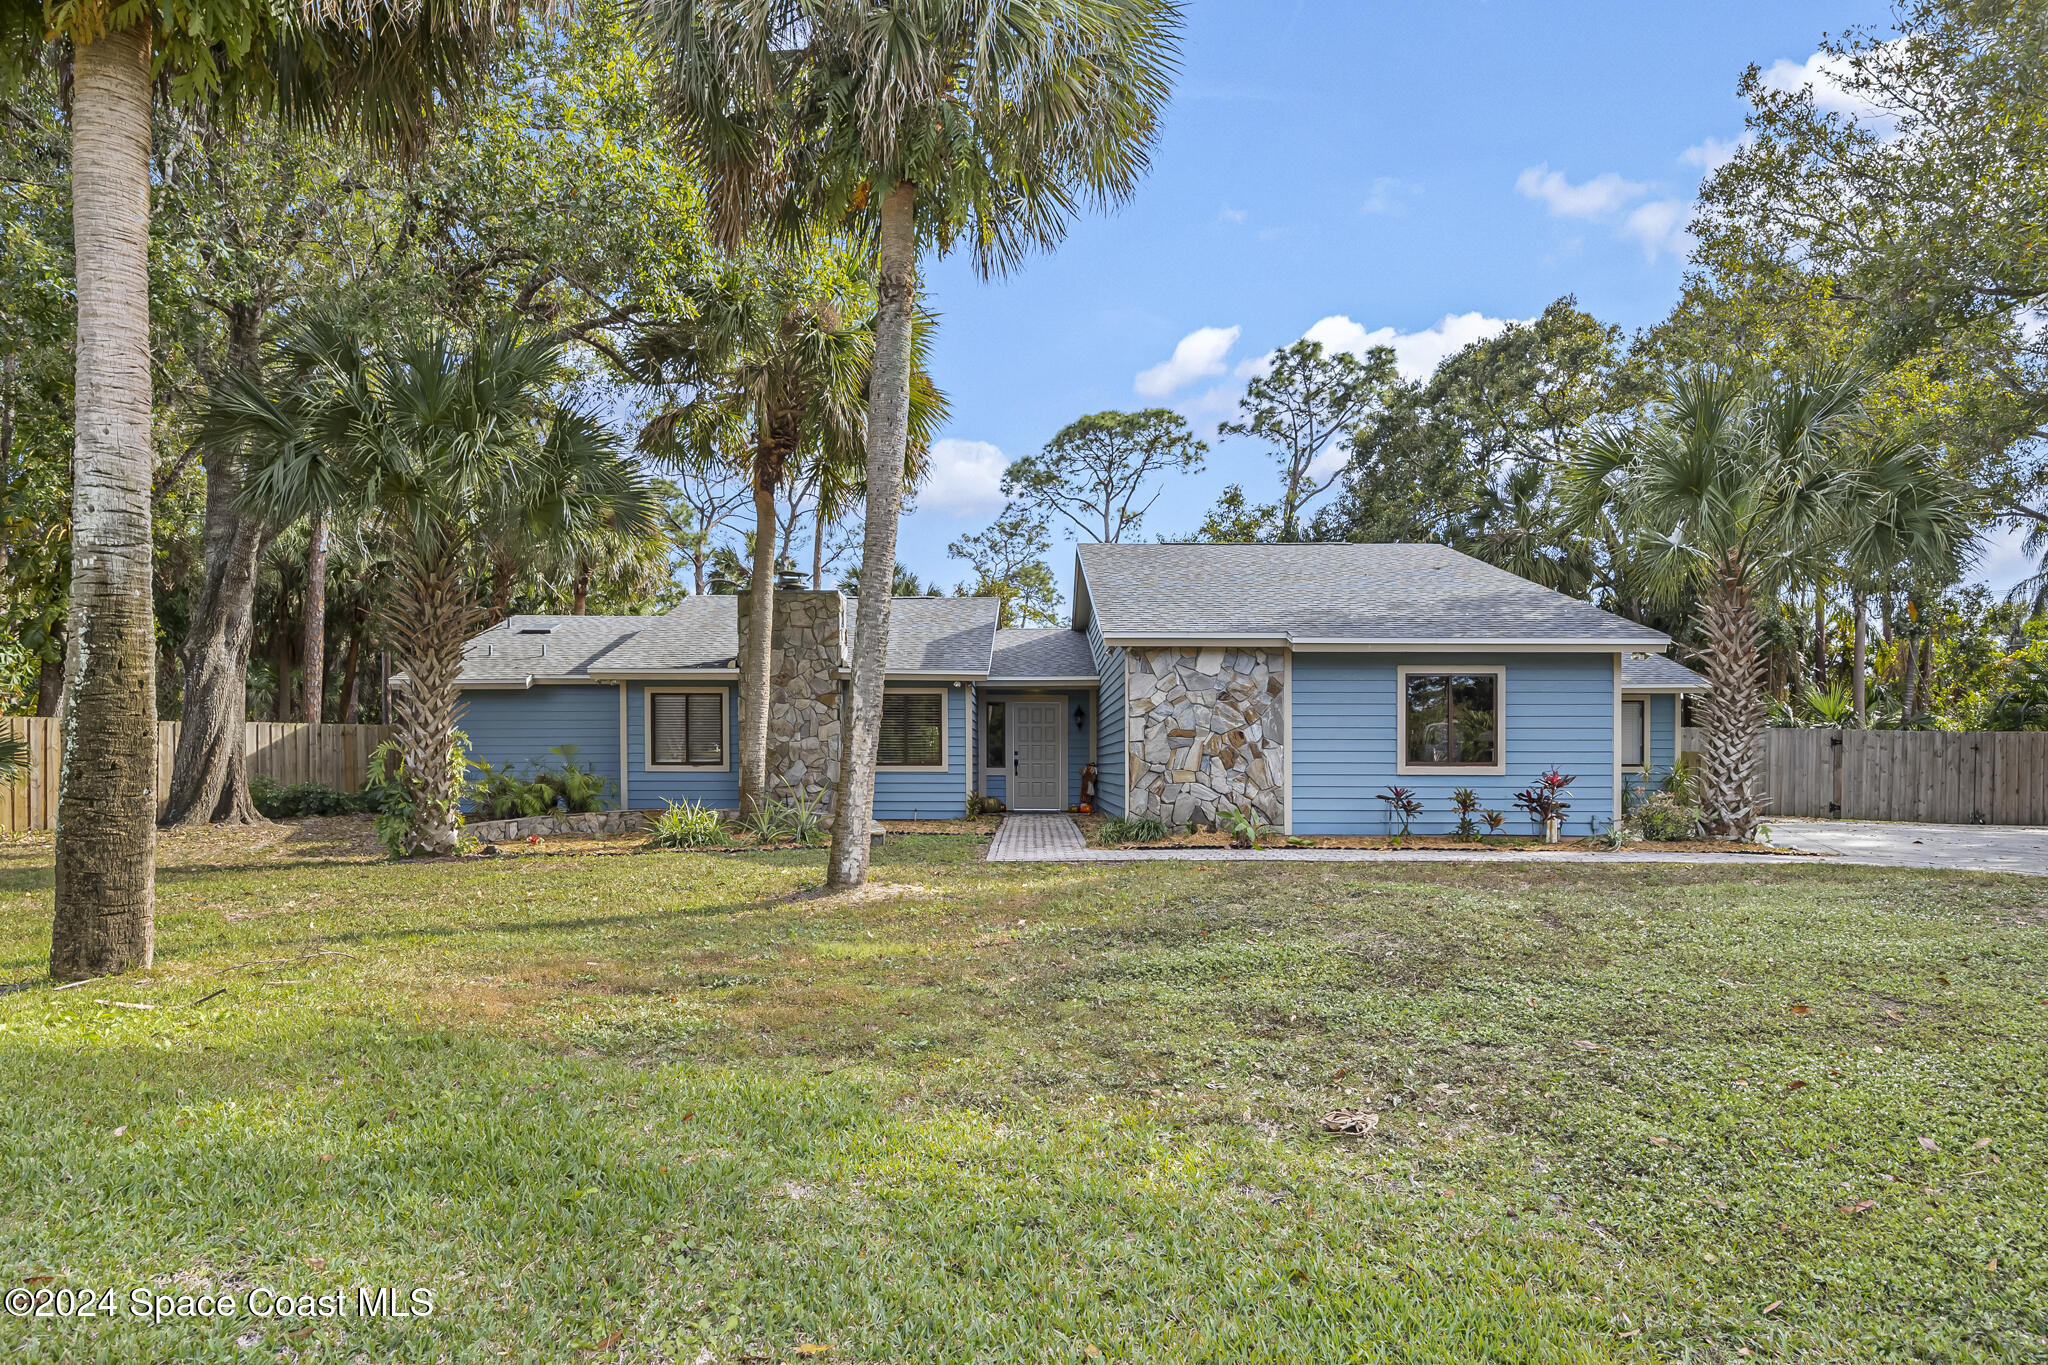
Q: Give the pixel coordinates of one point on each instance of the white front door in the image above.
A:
(1034, 739)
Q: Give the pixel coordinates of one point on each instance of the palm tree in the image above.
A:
(441, 452)
(912, 124)
(1734, 484)
(779, 377)
(381, 68)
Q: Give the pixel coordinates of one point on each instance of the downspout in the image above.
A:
(1614, 811)
(625, 782)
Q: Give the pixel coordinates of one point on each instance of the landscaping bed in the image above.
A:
(1092, 829)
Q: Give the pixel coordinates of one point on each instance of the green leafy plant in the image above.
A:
(503, 795)
(1402, 804)
(275, 801)
(1662, 815)
(1465, 801)
(1494, 820)
(13, 759)
(1140, 829)
(578, 790)
(688, 825)
(799, 815)
(410, 806)
(763, 822)
(1245, 827)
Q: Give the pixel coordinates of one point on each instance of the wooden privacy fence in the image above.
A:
(1942, 777)
(337, 755)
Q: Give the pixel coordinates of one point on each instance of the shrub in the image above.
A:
(275, 801)
(1661, 815)
(503, 795)
(984, 805)
(689, 825)
(1142, 829)
(1245, 827)
(1465, 801)
(1402, 803)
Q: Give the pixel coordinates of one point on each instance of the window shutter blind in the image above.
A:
(671, 727)
(911, 737)
(707, 728)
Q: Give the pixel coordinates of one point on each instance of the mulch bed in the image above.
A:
(1091, 829)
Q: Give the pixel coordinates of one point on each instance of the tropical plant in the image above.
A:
(1245, 827)
(503, 795)
(1133, 829)
(909, 127)
(1494, 820)
(579, 791)
(413, 801)
(763, 822)
(777, 365)
(689, 824)
(1402, 804)
(277, 801)
(1543, 800)
(799, 815)
(1737, 484)
(13, 759)
(440, 450)
(1465, 802)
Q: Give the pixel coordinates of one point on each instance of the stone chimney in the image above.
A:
(804, 660)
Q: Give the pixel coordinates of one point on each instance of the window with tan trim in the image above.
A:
(686, 729)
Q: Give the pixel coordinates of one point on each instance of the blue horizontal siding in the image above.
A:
(929, 795)
(1559, 712)
(516, 729)
(651, 789)
(1112, 783)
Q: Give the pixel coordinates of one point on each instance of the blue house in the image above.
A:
(1297, 680)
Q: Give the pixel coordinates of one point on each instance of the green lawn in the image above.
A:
(671, 1107)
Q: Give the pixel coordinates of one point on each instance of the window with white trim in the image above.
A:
(1635, 737)
(686, 729)
(1450, 719)
(913, 730)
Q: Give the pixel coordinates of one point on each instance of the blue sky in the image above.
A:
(1374, 171)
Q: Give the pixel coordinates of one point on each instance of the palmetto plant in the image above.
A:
(1732, 483)
(778, 374)
(911, 125)
(439, 449)
(13, 759)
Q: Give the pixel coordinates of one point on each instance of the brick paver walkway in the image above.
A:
(1037, 839)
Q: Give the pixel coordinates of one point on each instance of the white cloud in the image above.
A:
(1416, 354)
(1228, 214)
(1711, 154)
(1387, 195)
(1824, 72)
(1659, 227)
(1596, 198)
(966, 479)
(1200, 354)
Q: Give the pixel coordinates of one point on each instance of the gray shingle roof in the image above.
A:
(926, 635)
(702, 632)
(1040, 655)
(1367, 594)
(558, 647)
(936, 634)
(1658, 674)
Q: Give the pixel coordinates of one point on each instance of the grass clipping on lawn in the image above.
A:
(684, 1108)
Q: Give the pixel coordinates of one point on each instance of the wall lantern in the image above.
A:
(1081, 716)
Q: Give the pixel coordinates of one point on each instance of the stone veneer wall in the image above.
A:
(1206, 733)
(803, 681)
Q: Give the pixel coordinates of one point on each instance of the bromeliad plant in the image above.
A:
(1402, 804)
(1544, 801)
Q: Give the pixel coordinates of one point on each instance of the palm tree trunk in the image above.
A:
(313, 654)
(580, 590)
(430, 616)
(1732, 711)
(1909, 678)
(1860, 668)
(106, 806)
(818, 550)
(351, 678)
(209, 774)
(888, 430)
(757, 640)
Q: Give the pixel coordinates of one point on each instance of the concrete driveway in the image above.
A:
(1882, 843)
